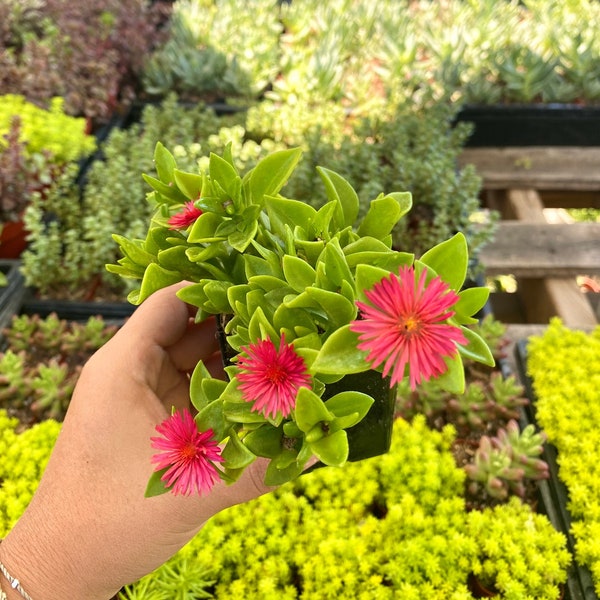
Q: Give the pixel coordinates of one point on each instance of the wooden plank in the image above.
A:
(546, 298)
(542, 168)
(543, 250)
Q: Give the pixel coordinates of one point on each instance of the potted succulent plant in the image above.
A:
(306, 298)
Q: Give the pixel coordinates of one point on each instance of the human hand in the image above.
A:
(89, 530)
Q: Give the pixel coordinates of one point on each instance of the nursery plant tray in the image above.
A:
(11, 295)
(75, 310)
(553, 494)
(532, 125)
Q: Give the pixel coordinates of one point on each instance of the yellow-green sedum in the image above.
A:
(564, 365)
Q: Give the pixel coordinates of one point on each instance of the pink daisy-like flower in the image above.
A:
(185, 217)
(402, 326)
(187, 453)
(271, 378)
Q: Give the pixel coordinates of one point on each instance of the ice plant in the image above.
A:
(320, 315)
(271, 378)
(185, 217)
(186, 457)
(404, 325)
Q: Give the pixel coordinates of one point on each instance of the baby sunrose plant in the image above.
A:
(186, 457)
(403, 325)
(307, 301)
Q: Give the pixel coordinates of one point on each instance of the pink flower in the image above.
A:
(403, 326)
(185, 217)
(187, 454)
(270, 378)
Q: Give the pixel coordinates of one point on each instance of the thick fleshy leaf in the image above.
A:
(471, 300)
(476, 349)
(321, 227)
(204, 229)
(156, 278)
(450, 260)
(348, 403)
(271, 174)
(333, 449)
(189, 183)
(339, 354)
(283, 211)
(236, 454)
(310, 410)
(366, 277)
(453, 380)
(134, 250)
(164, 163)
(384, 213)
(241, 412)
(340, 311)
(169, 192)
(336, 267)
(225, 175)
(275, 476)
(212, 417)
(338, 189)
(265, 441)
(156, 486)
(197, 396)
(298, 273)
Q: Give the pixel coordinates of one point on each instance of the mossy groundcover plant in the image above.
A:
(564, 365)
(383, 528)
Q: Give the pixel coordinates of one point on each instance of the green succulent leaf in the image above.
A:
(450, 260)
(476, 349)
(298, 273)
(338, 189)
(155, 278)
(165, 163)
(235, 453)
(212, 417)
(339, 354)
(384, 213)
(310, 410)
(453, 379)
(271, 173)
(204, 229)
(275, 476)
(224, 173)
(265, 441)
(333, 449)
(350, 403)
(469, 302)
(156, 486)
(188, 183)
(197, 393)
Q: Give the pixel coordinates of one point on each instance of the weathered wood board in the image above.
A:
(527, 249)
(541, 168)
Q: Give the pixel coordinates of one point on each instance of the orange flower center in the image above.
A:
(410, 325)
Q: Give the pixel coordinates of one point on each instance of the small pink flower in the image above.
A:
(185, 217)
(270, 378)
(187, 453)
(403, 326)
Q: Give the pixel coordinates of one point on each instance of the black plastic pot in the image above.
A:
(373, 435)
(553, 495)
(532, 125)
(11, 295)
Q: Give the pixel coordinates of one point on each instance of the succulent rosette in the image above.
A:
(307, 297)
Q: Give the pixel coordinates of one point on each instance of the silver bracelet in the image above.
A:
(15, 584)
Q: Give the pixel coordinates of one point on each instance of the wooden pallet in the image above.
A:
(544, 257)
